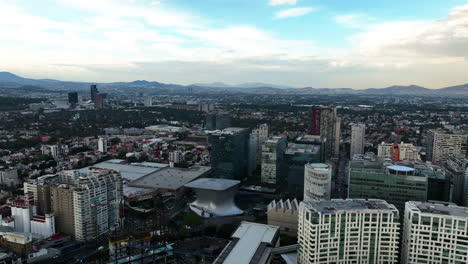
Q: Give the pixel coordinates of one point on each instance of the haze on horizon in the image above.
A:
(297, 43)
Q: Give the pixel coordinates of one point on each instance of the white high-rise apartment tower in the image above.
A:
(435, 233)
(102, 145)
(348, 231)
(358, 132)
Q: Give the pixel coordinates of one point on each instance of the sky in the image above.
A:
(298, 43)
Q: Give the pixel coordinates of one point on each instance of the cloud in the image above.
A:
(294, 12)
(282, 2)
(354, 20)
(124, 40)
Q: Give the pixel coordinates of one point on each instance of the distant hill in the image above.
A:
(9, 80)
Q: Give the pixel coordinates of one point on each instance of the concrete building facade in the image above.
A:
(358, 132)
(272, 156)
(317, 181)
(435, 233)
(348, 231)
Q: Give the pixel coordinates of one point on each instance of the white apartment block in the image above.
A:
(435, 233)
(348, 231)
(102, 145)
(385, 150)
(97, 195)
(440, 145)
(408, 152)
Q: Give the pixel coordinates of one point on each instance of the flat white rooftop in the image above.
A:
(251, 236)
(443, 209)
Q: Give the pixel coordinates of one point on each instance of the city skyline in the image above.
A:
(295, 43)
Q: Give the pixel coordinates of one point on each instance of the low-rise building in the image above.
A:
(251, 243)
(284, 213)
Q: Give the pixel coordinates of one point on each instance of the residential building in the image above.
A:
(317, 181)
(385, 150)
(358, 132)
(88, 206)
(408, 152)
(441, 145)
(272, 156)
(285, 214)
(435, 233)
(229, 153)
(348, 231)
(102, 145)
(456, 169)
(9, 176)
(251, 243)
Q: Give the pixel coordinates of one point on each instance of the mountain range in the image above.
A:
(10, 81)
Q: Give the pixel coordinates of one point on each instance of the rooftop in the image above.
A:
(318, 165)
(213, 184)
(339, 205)
(438, 208)
(128, 171)
(170, 178)
(250, 238)
(400, 168)
(302, 148)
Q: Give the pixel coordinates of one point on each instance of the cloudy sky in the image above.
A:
(318, 43)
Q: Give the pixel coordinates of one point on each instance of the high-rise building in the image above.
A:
(88, 206)
(465, 189)
(94, 91)
(315, 121)
(272, 156)
(230, 153)
(393, 183)
(218, 121)
(326, 120)
(317, 181)
(358, 132)
(73, 98)
(440, 145)
(435, 233)
(100, 100)
(296, 156)
(262, 134)
(456, 169)
(253, 152)
(348, 231)
(102, 145)
(148, 101)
